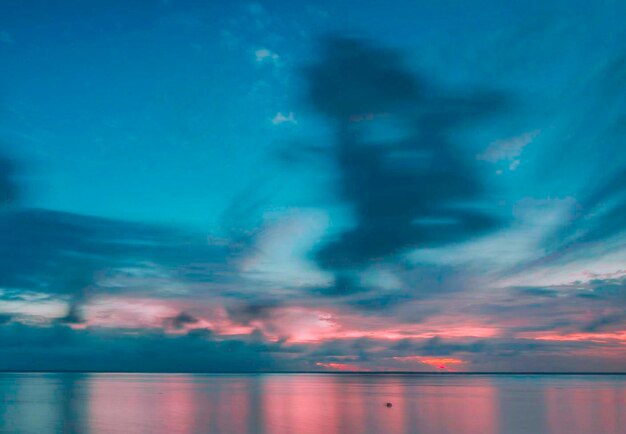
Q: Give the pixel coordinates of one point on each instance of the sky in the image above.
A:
(200, 186)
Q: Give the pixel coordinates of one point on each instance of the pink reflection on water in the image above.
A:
(599, 410)
(456, 408)
(306, 403)
(169, 404)
(337, 404)
(177, 407)
(357, 404)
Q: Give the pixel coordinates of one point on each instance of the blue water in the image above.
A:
(310, 403)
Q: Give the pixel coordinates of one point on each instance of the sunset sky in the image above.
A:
(335, 185)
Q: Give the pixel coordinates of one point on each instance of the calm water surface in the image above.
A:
(311, 404)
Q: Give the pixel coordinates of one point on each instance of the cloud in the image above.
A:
(408, 190)
(281, 119)
(246, 311)
(62, 348)
(85, 271)
(590, 155)
(181, 320)
(509, 149)
(74, 315)
(60, 252)
(263, 55)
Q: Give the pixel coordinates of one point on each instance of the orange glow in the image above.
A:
(296, 325)
(592, 337)
(342, 367)
(395, 334)
(233, 330)
(437, 362)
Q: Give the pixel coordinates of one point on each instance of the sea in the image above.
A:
(125, 403)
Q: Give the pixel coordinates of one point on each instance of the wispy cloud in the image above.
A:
(263, 55)
(509, 149)
(281, 118)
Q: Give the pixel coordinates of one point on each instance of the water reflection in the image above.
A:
(307, 404)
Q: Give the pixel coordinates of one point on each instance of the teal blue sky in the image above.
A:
(154, 111)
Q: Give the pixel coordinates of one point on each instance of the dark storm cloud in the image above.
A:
(577, 307)
(379, 302)
(605, 322)
(606, 289)
(73, 315)
(61, 252)
(536, 292)
(61, 348)
(55, 257)
(415, 190)
(180, 321)
(439, 347)
(244, 311)
(65, 253)
(412, 283)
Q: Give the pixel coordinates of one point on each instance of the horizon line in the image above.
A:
(304, 372)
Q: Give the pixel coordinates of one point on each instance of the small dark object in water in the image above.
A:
(388, 405)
